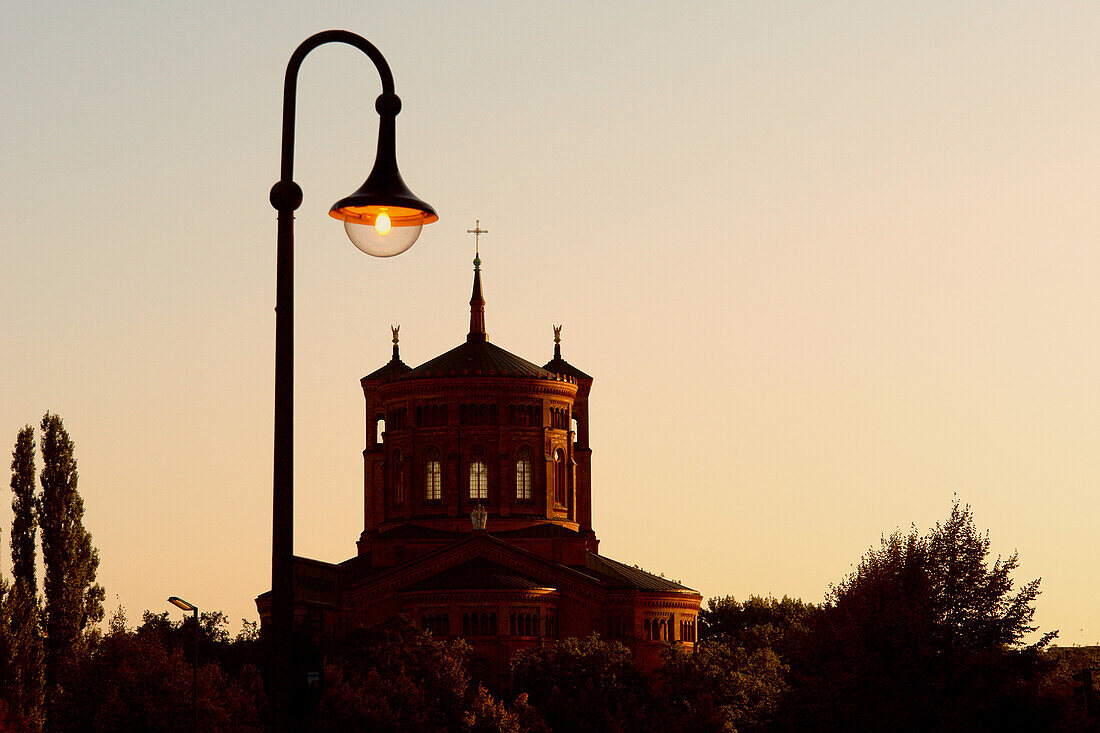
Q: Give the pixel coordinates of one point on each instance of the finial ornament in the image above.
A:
(477, 231)
(395, 329)
(557, 334)
(478, 517)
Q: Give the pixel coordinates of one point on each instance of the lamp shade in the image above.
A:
(182, 604)
(383, 218)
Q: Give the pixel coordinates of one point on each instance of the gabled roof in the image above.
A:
(515, 560)
(619, 575)
(483, 561)
(476, 574)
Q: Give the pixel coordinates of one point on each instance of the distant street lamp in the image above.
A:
(382, 218)
(187, 607)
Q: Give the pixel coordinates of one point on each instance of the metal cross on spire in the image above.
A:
(477, 231)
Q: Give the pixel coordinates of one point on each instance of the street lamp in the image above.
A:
(187, 607)
(382, 218)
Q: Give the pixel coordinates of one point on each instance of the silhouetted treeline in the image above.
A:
(928, 633)
(760, 669)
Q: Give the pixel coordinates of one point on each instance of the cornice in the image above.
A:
(475, 386)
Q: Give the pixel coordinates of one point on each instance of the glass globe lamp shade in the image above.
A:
(383, 231)
(381, 239)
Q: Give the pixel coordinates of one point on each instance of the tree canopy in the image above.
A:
(926, 633)
(73, 599)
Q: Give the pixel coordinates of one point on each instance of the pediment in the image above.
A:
(478, 573)
(482, 559)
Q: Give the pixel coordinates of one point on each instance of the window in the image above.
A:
(687, 629)
(559, 477)
(438, 624)
(431, 416)
(479, 624)
(524, 415)
(398, 478)
(479, 474)
(396, 418)
(523, 624)
(433, 476)
(523, 474)
(559, 418)
(479, 414)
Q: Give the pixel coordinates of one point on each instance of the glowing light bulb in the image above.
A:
(382, 224)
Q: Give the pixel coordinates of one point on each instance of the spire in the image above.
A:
(477, 301)
(396, 354)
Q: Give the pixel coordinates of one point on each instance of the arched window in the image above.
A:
(379, 429)
(559, 477)
(398, 478)
(479, 474)
(523, 474)
(433, 476)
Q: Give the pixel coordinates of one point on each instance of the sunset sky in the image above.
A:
(832, 265)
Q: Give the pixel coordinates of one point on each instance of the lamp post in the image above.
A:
(187, 607)
(382, 218)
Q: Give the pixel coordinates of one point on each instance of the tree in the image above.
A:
(583, 685)
(23, 609)
(759, 623)
(926, 634)
(6, 712)
(73, 599)
(484, 714)
(394, 677)
(134, 681)
(738, 674)
(721, 686)
(976, 609)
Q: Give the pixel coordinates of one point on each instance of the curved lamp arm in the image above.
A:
(290, 87)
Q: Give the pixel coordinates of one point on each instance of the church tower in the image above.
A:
(477, 514)
(477, 426)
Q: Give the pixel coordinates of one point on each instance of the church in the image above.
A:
(477, 515)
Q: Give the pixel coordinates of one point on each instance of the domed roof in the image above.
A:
(477, 357)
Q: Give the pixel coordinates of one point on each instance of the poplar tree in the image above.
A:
(73, 599)
(5, 654)
(23, 610)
